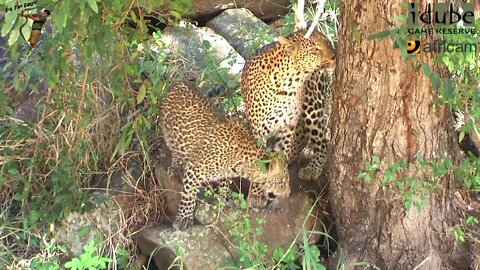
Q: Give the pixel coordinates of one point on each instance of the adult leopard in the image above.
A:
(287, 93)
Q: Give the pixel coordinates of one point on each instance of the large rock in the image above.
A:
(206, 246)
(112, 197)
(283, 223)
(245, 32)
(122, 205)
(27, 109)
(171, 189)
(77, 229)
(199, 247)
(295, 213)
(120, 181)
(205, 51)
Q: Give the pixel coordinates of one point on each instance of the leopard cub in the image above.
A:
(207, 146)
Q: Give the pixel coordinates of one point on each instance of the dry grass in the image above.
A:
(86, 138)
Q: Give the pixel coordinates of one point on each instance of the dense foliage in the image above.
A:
(87, 72)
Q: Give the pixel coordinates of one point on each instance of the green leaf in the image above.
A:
(66, 10)
(363, 175)
(206, 44)
(142, 92)
(401, 18)
(436, 81)
(14, 34)
(175, 14)
(133, 16)
(13, 171)
(376, 159)
(153, 98)
(8, 22)
(379, 35)
(93, 5)
(408, 203)
(60, 16)
(20, 196)
(400, 185)
(426, 69)
(243, 204)
(26, 30)
(82, 232)
(260, 141)
(262, 164)
(461, 135)
(402, 45)
(368, 165)
(375, 166)
(472, 220)
(449, 89)
(160, 70)
(458, 233)
(82, 7)
(403, 30)
(389, 176)
(74, 264)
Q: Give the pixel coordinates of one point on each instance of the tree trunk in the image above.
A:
(383, 107)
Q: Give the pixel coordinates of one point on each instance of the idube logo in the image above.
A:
(441, 20)
(442, 14)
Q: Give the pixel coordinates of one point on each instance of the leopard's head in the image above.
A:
(276, 180)
(311, 52)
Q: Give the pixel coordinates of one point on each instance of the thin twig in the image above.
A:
(426, 259)
(318, 13)
(126, 14)
(80, 105)
(300, 22)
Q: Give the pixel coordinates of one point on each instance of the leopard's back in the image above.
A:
(195, 130)
(187, 119)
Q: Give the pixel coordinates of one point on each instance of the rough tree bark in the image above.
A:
(382, 107)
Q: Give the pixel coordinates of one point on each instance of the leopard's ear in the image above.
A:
(285, 42)
(276, 165)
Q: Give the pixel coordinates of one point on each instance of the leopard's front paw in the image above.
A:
(257, 202)
(182, 223)
(175, 174)
(308, 174)
(275, 205)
